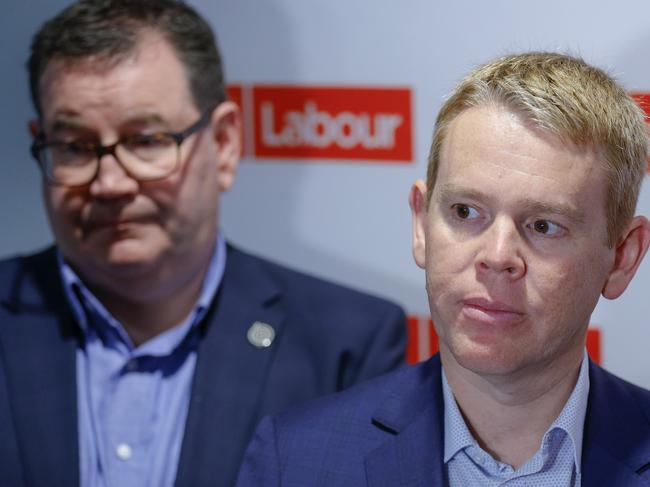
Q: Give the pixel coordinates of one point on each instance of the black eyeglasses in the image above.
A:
(145, 157)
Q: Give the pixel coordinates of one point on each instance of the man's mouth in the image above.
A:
(490, 311)
(118, 224)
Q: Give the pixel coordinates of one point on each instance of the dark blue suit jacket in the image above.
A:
(327, 338)
(388, 432)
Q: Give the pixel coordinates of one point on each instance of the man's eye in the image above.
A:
(148, 141)
(79, 147)
(72, 149)
(464, 212)
(546, 227)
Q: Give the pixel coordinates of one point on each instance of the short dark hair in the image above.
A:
(109, 31)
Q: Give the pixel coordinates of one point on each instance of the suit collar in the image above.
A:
(230, 373)
(38, 338)
(616, 445)
(413, 413)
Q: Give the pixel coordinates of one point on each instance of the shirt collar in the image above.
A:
(457, 435)
(571, 419)
(84, 303)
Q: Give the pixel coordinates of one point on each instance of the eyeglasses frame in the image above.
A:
(41, 143)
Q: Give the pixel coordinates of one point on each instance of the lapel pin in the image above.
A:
(260, 335)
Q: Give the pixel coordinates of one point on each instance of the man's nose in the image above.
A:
(112, 179)
(501, 250)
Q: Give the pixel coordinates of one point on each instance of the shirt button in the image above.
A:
(132, 365)
(123, 451)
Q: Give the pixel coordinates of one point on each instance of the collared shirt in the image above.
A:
(557, 462)
(133, 401)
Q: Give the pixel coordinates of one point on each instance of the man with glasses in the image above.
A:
(142, 349)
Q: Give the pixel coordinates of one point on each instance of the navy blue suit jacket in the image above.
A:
(388, 432)
(327, 338)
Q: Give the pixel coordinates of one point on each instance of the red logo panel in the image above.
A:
(333, 123)
(235, 94)
(643, 100)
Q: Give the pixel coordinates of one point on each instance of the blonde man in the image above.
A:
(526, 218)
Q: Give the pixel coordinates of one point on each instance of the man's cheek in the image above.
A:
(447, 264)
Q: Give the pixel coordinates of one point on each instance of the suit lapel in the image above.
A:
(38, 348)
(230, 375)
(616, 447)
(413, 455)
(600, 468)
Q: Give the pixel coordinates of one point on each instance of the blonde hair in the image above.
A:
(567, 97)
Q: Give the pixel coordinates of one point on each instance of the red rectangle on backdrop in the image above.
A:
(643, 100)
(594, 345)
(235, 94)
(333, 123)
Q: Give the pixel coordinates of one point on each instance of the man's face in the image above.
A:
(513, 243)
(117, 228)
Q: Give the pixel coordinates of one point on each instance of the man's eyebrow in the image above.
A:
(145, 119)
(72, 122)
(545, 208)
(449, 191)
(67, 123)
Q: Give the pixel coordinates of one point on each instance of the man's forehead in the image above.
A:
(496, 125)
(59, 69)
(146, 79)
(150, 47)
(495, 151)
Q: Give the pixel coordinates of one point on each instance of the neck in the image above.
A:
(148, 304)
(145, 319)
(508, 416)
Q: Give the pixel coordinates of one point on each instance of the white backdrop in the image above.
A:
(348, 220)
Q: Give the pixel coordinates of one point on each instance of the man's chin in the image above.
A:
(487, 361)
(125, 258)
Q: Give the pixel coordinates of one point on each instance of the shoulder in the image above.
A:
(338, 335)
(24, 262)
(27, 279)
(310, 291)
(376, 405)
(616, 442)
(9, 267)
(607, 389)
(331, 437)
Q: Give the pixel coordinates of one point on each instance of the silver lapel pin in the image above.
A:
(261, 335)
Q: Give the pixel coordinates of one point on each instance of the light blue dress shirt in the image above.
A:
(133, 401)
(556, 463)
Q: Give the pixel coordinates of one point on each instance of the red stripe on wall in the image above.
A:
(594, 344)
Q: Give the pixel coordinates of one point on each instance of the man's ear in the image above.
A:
(226, 127)
(630, 250)
(418, 204)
